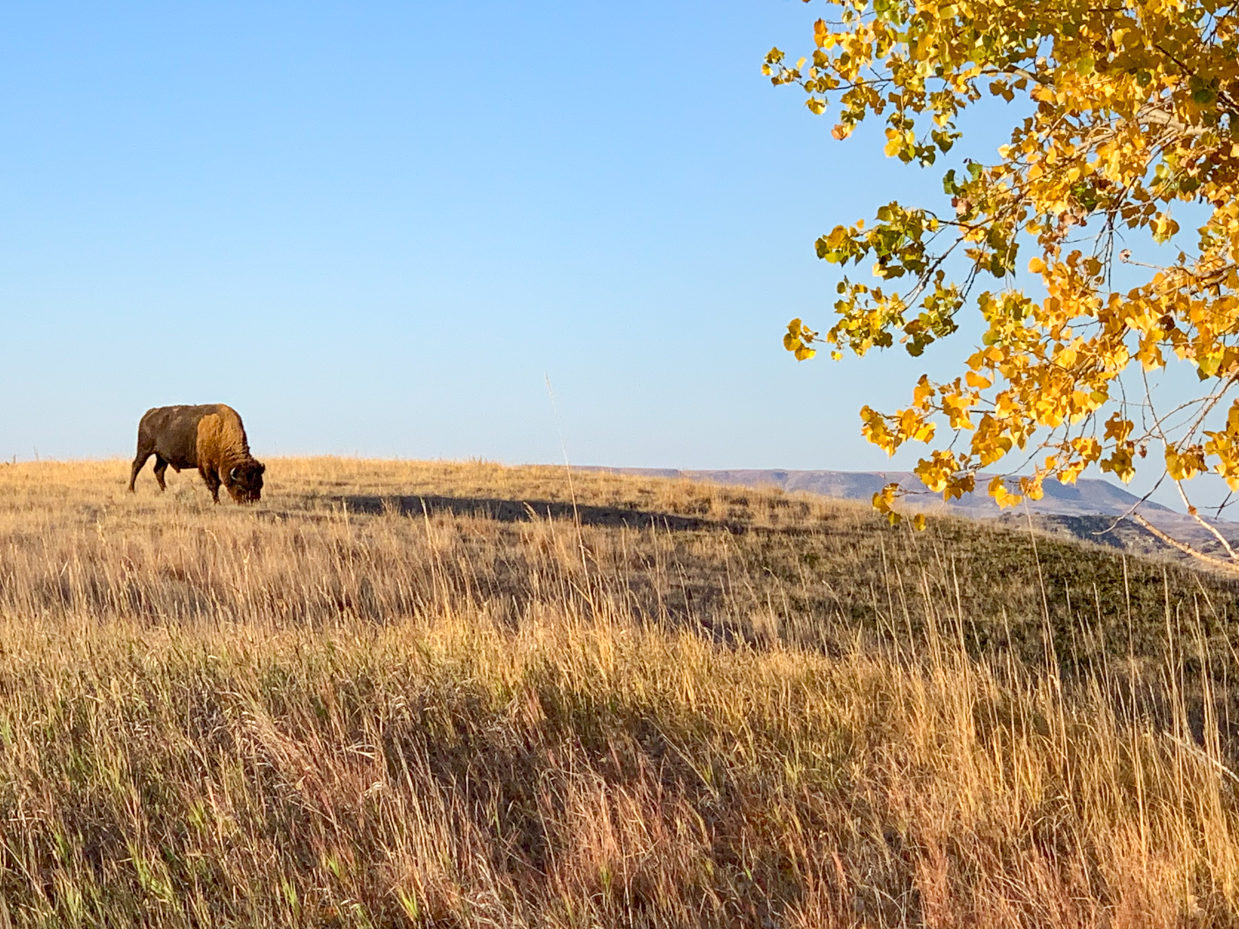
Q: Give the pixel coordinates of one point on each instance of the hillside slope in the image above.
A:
(745, 564)
(1087, 497)
(1072, 509)
(440, 694)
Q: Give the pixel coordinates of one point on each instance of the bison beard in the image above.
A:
(210, 438)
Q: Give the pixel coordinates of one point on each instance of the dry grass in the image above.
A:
(395, 694)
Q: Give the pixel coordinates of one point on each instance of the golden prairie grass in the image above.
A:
(402, 693)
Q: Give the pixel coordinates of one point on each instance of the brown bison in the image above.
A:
(209, 438)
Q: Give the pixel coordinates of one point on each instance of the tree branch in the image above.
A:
(1200, 519)
(1227, 566)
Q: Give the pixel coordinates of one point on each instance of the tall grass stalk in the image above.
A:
(327, 713)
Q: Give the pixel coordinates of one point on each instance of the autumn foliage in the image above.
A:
(1123, 114)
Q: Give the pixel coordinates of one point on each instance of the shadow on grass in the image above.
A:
(518, 511)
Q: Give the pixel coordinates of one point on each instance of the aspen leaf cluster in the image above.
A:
(1123, 115)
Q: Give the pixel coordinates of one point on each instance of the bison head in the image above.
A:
(245, 481)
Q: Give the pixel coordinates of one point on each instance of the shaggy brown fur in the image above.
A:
(210, 438)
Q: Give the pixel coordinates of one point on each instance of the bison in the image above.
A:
(209, 438)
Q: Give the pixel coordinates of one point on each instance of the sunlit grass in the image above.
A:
(365, 702)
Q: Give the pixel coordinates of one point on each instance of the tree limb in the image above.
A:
(1200, 519)
(1229, 567)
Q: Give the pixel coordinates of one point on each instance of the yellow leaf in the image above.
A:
(1174, 464)
(1003, 497)
(894, 143)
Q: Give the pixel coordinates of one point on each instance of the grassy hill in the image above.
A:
(1079, 510)
(401, 693)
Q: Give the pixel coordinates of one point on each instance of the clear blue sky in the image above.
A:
(377, 228)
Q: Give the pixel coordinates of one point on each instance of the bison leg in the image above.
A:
(211, 476)
(138, 462)
(161, 466)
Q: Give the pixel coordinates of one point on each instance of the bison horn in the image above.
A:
(232, 475)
